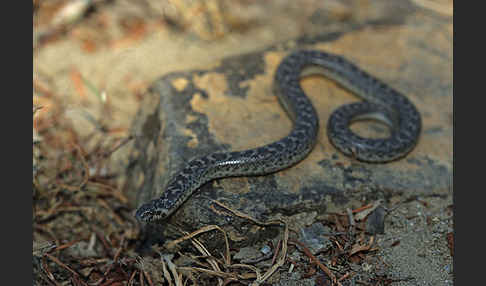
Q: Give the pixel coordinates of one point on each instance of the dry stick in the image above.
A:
(108, 153)
(132, 277)
(212, 261)
(99, 281)
(228, 281)
(77, 281)
(110, 191)
(104, 242)
(251, 267)
(193, 258)
(280, 262)
(48, 273)
(242, 215)
(69, 244)
(217, 271)
(190, 277)
(363, 213)
(53, 209)
(143, 273)
(85, 165)
(57, 261)
(148, 278)
(345, 276)
(120, 144)
(166, 272)
(292, 265)
(171, 244)
(199, 246)
(312, 270)
(86, 171)
(67, 209)
(140, 277)
(46, 214)
(360, 209)
(173, 270)
(276, 251)
(120, 249)
(108, 282)
(358, 248)
(283, 255)
(49, 232)
(316, 261)
(212, 272)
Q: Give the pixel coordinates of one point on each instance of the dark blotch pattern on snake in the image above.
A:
(381, 103)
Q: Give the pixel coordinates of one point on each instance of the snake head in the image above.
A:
(150, 212)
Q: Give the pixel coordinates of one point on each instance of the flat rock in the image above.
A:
(315, 237)
(231, 106)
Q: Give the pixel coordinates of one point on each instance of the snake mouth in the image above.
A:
(142, 216)
(145, 213)
(148, 213)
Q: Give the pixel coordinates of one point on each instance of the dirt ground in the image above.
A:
(93, 62)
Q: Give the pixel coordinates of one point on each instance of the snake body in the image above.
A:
(381, 102)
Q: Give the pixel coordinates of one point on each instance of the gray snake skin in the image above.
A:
(381, 103)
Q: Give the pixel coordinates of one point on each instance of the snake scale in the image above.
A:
(381, 103)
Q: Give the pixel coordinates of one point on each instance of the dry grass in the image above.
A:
(82, 221)
(84, 231)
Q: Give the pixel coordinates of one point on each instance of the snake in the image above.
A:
(380, 103)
